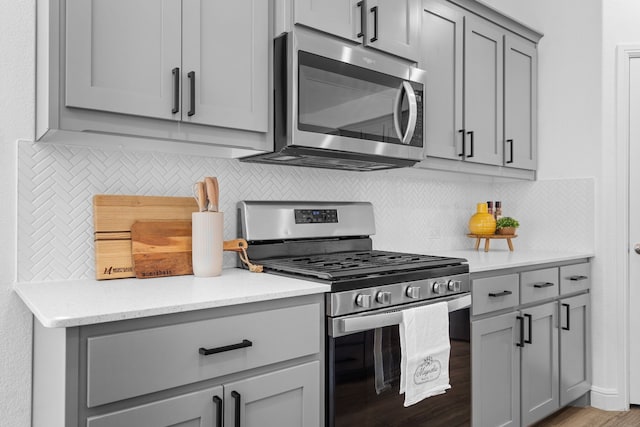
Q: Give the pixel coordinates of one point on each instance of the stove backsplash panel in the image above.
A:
(415, 211)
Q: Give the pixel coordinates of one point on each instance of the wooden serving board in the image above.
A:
(161, 248)
(113, 216)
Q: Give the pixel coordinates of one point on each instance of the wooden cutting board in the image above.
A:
(113, 216)
(161, 248)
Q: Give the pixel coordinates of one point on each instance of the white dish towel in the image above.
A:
(424, 341)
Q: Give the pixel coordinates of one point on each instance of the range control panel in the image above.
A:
(316, 216)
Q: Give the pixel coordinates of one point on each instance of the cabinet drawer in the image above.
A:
(538, 285)
(494, 293)
(575, 278)
(124, 365)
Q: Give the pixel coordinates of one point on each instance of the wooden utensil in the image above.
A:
(113, 216)
(161, 248)
(213, 193)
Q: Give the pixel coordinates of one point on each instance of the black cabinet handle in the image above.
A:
(192, 93)
(578, 278)
(568, 308)
(218, 403)
(360, 4)
(543, 285)
(462, 131)
(510, 142)
(374, 10)
(470, 144)
(521, 342)
(207, 351)
(237, 398)
(530, 340)
(499, 294)
(176, 90)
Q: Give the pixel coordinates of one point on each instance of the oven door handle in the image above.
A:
(367, 322)
(406, 87)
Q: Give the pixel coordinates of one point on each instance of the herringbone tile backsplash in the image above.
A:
(415, 211)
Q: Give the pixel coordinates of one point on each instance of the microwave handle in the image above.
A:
(413, 112)
(390, 318)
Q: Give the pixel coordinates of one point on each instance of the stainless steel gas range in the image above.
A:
(330, 242)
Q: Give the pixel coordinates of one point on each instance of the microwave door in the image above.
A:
(405, 90)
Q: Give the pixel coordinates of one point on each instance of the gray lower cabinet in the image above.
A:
(530, 343)
(259, 364)
(495, 370)
(539, 355)
(284, 398)
(575, 346)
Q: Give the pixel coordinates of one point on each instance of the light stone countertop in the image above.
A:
(497, 259)
(70, 303)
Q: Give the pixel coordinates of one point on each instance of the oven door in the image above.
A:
(363, 373)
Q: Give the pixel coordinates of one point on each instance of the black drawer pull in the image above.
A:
(176, 90)
(191, 75)
(543, 285)
(236, 396)
(521, 320)
(208, 351)
(530, 340)
(499, 294)
(568, 308)
(218, 403)
(578, 278)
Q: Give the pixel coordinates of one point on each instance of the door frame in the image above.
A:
(622, 242)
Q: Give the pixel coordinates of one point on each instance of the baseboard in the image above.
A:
(608, 399)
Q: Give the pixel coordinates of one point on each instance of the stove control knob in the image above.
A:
(454, 285)
(413, 292)
(363, 300)
(439, 288)
(383, 297)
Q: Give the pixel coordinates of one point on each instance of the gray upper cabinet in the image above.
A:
(120, 55)
(341, 18)
(480, 107)
(224, 45)
(442, 54)
(392, 26)
(520, 98)
(483, 102)
(203, 62)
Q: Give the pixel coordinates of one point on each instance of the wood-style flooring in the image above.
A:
(591, 417)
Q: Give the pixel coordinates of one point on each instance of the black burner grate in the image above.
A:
(335, 266)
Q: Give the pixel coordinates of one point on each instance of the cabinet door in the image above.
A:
(575, 348)
(539, 374)
(197, 409)
(483, 118)
(120, 55)
(342, 18)
(442, 55)
(520, 93)
(394, 27)
(225, 49)
(495, 370)
(285, 398)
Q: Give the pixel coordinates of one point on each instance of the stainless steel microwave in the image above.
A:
(344, 106)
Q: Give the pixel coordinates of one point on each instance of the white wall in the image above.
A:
(17, 21)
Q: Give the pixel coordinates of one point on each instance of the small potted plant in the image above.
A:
(506, 226)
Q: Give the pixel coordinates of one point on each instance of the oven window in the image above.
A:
(364, 381)
(336, 98)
